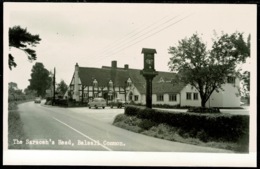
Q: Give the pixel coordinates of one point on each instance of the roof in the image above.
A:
(162, 83)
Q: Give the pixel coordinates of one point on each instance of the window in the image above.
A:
(231, 79)
(110, 84)
(161, 80)
(136, 97)
(160, 97)
(188, 96)
(173, 97)
(95, 83)
(95, 95)
(129, 82)
(195, 96)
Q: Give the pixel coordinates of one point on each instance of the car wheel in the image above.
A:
(89, 107)
(111, 107)
(96, 107)
(103, 107)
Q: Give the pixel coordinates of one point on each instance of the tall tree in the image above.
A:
(207, 70)
(246, 85)
(21, 39)
(62, 87)
(40, 79)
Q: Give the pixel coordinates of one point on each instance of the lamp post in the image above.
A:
(149, 73)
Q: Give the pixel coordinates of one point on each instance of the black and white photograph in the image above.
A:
(129, 84)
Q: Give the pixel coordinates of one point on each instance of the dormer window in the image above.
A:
(129, 82)
(161, 80)
(110, 84)
(95, 83)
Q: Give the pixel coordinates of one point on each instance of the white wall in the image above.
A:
(192, 102)
(229, 97)
(215, 100)
(166, 99)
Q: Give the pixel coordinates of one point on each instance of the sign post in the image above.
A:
(149, 73)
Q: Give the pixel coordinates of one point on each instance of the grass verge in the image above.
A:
(167, 132)
(15, 127)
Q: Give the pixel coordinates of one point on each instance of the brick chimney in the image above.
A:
(113, 70)
(126, 67)
(114, 64)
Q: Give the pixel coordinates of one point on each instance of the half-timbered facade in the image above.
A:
(110, 82)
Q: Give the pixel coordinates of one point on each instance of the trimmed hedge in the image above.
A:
(204, 110)
(222, 127)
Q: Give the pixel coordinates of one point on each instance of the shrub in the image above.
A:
(214, 126)
(147, 124)
(119, 118)
(203, 110)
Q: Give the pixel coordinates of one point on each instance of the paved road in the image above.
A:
(53, 128)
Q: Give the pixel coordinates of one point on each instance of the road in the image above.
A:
(55, 128)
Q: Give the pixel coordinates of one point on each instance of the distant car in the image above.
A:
(119, 103)
(37, 100)
(97, 102)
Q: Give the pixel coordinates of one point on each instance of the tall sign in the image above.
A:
(149, 73)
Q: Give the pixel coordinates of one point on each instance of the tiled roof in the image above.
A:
(103, 75)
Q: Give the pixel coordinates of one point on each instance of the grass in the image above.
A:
(164, 131)
(15, 127)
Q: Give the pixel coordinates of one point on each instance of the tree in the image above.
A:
(207, 70)
(19, 38)
(246, 85)
(62, 87)
(40, 79)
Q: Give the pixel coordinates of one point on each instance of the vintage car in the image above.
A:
(97, 102)
(119, 103)
(37, 100)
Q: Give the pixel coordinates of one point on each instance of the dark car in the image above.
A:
(119, 103)
(37, 100)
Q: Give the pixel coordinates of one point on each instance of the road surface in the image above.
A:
(56, 128)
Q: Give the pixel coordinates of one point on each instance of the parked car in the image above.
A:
(37, 100)
(97, 102)
(119, 103)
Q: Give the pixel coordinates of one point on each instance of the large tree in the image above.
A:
(40, 79)
(246, 85)
(21, 39)
(62, 87)
(207, 70)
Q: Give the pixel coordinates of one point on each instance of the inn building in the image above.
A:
(110, 82)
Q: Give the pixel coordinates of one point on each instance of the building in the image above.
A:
(112, 82)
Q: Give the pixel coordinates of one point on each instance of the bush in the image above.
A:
(147, 124)
(216, 126)
(203, 110)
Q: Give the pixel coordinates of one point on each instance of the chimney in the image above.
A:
(113, 71)
(76, 67)
(126, 67)
(114, 64)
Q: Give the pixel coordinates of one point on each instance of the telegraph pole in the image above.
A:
(53, 80)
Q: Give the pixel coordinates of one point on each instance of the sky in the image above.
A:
(94, 34)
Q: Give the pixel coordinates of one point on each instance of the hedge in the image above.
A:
(218, 126)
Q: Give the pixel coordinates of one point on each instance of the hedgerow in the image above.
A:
(207, 126)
